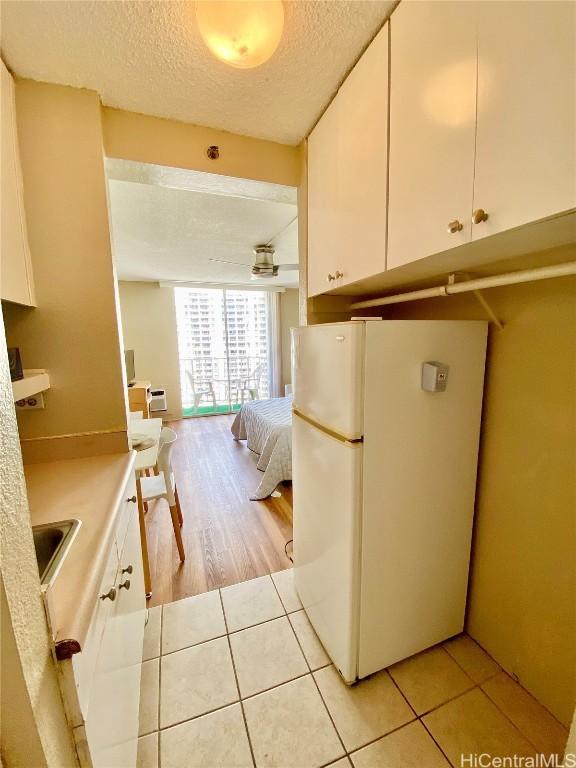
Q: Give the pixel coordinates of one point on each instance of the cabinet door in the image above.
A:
(525, 150)
(16, 282)
(363, 165)
(322, 202)
(112, 719)
(432, 127)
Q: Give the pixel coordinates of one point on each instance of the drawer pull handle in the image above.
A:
(125, 585)
(330, 278)
(133, 499)
(455, 226)
(127, 570)
(338, 274)
(110, 595)
(479, 216)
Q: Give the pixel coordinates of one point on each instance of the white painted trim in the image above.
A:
(220, 286)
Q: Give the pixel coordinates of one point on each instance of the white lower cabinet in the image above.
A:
(101, 684)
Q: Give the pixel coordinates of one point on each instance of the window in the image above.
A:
(224, 348)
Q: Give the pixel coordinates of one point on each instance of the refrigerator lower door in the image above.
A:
(327, 513)
(327, 375)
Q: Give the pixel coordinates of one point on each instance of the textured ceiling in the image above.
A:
(171, 231)
(147, 56)
(198, 181)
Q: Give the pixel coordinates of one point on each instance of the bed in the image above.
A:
(266, 425)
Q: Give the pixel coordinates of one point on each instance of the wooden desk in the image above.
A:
(139, 397)
(145, 459)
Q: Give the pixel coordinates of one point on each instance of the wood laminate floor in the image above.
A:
(227, 537)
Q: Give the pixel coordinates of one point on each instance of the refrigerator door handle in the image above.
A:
(327, 430)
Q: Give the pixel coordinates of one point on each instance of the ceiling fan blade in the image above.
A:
(235, 263)
(289, 267)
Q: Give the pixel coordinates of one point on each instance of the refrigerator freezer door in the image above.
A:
(327, 375)
(327, 491)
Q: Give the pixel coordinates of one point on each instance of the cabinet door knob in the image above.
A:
(454, 226)
(331, 277)
(129, 569)
(133, 499)
(479, 216)
(110, 595)
(125, 585)
(338, 274)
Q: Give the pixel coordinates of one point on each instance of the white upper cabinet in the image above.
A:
(525, 146)
(482, 121)
(363, 164)
(432, 128)
(322, 201)
(482, 125)
(16, 282)
(347, 177)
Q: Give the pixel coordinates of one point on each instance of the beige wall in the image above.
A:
(74, 331)
(289, 309)
(522, 600)
(145, 139)
(149, 328)
(34, 728)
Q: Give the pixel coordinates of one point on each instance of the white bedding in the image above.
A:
(266, 425)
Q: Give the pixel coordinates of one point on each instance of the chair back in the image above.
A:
(164, 454)
(192, 382)
(166, 435)
(259, 372)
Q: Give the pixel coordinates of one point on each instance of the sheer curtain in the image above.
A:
(275, 345)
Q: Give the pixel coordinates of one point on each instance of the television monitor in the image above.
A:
(129, 362)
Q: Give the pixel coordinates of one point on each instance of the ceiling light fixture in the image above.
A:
(241, 33)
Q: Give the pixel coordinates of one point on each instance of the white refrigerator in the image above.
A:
(385, 436)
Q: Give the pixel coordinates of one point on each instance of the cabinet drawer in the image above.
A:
(84, 663)
(112, 719)
(127, 507)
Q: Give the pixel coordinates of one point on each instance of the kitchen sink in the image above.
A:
(52, 542)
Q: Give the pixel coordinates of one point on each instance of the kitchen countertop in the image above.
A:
(90, 490)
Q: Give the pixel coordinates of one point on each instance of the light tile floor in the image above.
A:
(237, 678)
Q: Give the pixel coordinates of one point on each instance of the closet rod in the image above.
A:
(509, 278)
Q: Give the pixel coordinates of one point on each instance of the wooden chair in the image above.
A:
(163, 486)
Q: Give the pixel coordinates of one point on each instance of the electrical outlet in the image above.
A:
(33, 403)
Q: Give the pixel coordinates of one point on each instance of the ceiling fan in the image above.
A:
(263, 266)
